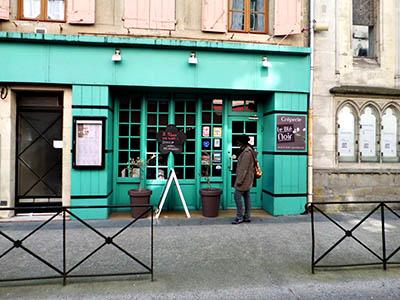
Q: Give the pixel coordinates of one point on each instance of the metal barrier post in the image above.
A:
(151, 259)
(64, 252)
(312, 239)
(383, 237)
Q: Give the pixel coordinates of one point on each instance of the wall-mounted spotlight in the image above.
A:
(116, 56)
(193, 59)
(266, 63)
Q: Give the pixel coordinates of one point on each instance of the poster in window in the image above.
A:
(346, 142)
(206, 131)
(368, 139)
(88, 143)
(217, 132)
(389, 142)
(217, 143)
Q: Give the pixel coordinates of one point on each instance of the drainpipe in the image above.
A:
(310, 107)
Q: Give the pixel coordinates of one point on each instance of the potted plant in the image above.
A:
(140, 196)
(210, 197)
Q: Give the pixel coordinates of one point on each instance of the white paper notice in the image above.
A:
(389, 134)
(89, 143)
(346, 142)
(368, 139)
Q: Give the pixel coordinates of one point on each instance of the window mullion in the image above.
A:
(43, 10)
(247, 16)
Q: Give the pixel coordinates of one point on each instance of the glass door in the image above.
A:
(239, 126)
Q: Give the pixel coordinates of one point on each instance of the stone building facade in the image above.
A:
(357, 101)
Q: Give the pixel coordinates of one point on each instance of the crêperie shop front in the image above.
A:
(228, 93)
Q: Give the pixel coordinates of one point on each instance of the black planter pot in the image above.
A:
(210, 199)
(139, 197)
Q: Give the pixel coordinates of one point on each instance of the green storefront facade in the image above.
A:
(227, 93)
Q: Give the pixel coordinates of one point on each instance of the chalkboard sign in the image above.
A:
(291, 132)
(171, 140)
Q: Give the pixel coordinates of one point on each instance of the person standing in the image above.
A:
(244, 180)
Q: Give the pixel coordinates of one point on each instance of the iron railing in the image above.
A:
(64, 213)
(383, 257)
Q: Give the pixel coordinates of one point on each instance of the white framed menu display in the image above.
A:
(88, 142)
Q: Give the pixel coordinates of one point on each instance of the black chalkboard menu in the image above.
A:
(171, 140)
(291, 132)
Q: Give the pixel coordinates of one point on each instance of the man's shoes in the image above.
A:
(237, 221)
(246, 220)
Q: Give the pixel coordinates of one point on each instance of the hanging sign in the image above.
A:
(88, 143)
(171, 140)
(291, 132)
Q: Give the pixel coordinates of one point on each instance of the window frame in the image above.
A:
(372, 34)
(247, 14)
(43, 17)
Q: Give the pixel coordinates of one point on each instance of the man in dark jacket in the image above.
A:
(244, 180)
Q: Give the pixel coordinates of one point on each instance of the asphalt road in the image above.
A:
(200, 258)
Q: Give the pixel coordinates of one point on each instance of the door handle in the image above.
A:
(232, 158)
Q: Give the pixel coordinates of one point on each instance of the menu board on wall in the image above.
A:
(88, 151)
(291, 132)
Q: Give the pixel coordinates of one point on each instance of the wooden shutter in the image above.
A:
(214, 16)
(136, 14)
(162, 14)
(287, 17)
(81, 11)
(4, 9)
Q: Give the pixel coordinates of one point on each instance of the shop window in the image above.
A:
(211, 138)
(389, 135)
(368, 140)
(244, 106)
(363, 28)
(157, 119)
(346, 142)
(42, 10)
(248, 16)
(185, 120)
(129, 137)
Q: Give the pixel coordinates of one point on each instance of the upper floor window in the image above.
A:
(363, 36)
(248, 15)
(42, 10)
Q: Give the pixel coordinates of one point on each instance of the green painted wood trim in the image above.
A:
(91, 213)
(93, 107)
(152, 42)
(284, 102)
(278, 206)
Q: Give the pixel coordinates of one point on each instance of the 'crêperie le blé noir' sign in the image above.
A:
(291, 132)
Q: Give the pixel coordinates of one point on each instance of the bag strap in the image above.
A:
(254, 157)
